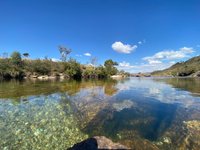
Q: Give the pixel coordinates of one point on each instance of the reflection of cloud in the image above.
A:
(123, 105)
(154, 90)
(150, 88)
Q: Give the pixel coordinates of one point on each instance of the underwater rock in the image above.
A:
(192, 140)
(97, 142)
(167, 140)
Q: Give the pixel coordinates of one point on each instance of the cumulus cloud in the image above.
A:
(144, 67)
(150, 67)
(154, 62)
(125, 65)
(158, 61)
(87, 54)
(123, 48)
(169, 55)
(55, 59)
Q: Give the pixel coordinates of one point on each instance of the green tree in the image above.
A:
(110, 67)
(16, 58)
(73, 69)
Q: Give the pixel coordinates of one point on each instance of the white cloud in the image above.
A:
(143, 67)
(159, 61)
(169, 55)
(154, 62)
(140, 42)
(123, 48)
(55, 59)
(187, 50)
(125, 65)
(87, 54)
(151, 67)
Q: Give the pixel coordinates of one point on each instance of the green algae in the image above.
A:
(46, 122)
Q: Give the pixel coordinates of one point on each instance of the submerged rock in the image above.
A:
(97, 142)
(192, 140)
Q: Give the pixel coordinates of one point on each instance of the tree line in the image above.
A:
(18, 68)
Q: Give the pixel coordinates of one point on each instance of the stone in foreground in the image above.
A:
(97, 142)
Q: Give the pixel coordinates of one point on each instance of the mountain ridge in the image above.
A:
(191, 67)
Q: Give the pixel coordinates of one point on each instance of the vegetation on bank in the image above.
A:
(16, 67)
(190, 67)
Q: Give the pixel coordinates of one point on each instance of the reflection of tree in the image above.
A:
(109, 87)
(189, 84)
(72, 87)
(17, 89)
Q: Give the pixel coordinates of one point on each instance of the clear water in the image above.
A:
(135, 111)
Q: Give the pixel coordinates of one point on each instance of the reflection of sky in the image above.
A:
(149, 88)
(90, 94)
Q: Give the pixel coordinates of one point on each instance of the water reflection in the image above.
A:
(18, 89)
(145, 119)
(136, 111)
(189, 84)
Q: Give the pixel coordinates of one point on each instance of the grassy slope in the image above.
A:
(181, 69)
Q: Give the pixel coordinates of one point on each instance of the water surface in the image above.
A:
(135, 111)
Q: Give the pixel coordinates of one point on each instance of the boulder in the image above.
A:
(97, 142)
(45, 77)
(196, 74)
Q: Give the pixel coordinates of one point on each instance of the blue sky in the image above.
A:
(141, 35)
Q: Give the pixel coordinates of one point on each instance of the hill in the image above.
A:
(190, 67)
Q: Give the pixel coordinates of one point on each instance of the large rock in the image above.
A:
(97, 142)
(196, 74)
(44, 77)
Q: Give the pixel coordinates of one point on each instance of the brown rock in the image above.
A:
(96, 143)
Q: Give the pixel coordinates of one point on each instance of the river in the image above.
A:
(141, 113)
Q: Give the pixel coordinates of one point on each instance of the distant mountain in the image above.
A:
(190, 67)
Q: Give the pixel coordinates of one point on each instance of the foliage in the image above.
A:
(15, 67)
(41, 67)
(72, 69)
(11, 67)
(16, 58)
(109, 67)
